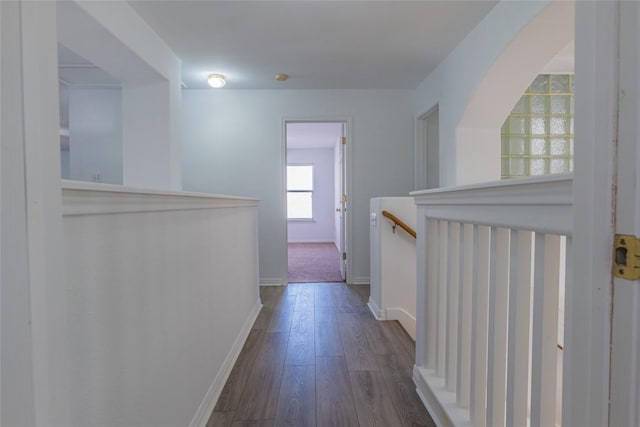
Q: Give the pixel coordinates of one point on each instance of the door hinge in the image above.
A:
(344, 140)
(344, 198)
(344, 255)
(626, 257)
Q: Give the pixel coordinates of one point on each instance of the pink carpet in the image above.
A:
(314, 262)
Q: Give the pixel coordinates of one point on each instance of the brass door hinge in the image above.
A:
(344, 255)
(344, 198)
(344, 140)
(626, 257)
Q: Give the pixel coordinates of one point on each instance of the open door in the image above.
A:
(341, 201)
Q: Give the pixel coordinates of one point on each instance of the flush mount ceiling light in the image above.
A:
(282, 77)
(216, 80)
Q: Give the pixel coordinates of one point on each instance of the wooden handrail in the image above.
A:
(398, 221)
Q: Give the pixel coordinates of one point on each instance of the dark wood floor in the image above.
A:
(317, 357)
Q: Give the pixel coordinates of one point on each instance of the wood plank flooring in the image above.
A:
(317, 357)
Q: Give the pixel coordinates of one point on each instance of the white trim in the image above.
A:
(405, 318)
(208, 404)
(359, 280)
(1, 251)
(83, 198)
(313, 241)
(586, 374)
(46, 284)
(625, 340)
(525, 203)
(440, 403)
(377, 312)
(535, 190)
(272, 281)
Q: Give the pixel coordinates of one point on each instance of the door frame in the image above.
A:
(422, 144)
(339, 170)
(347, 159)
(625, 328)
(588, 308)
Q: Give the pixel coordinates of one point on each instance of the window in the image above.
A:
(537, 138)
(300, 192)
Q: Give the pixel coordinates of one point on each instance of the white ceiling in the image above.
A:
(313, 135)
(320, 44)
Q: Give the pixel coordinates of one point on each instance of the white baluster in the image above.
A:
(553, 282)
(566, 353)
(464, 326)
(498, 307)
(422, 300)
(453, 279)
(520, 301)
(545, 330)
(432, 291)
(442, 299)
(480, 328)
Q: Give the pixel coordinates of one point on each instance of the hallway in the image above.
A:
(316, 356)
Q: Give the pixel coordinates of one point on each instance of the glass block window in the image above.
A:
(537, 137)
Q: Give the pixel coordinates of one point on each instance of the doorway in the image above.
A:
(316, 200)
(427, 150)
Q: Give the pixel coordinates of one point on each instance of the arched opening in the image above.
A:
(544, 41)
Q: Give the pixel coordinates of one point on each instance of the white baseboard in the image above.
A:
(205, 409)
(362, 280)
(440, 403)
(312, 241)
(407, 321)
(270, 281)
(377, 312)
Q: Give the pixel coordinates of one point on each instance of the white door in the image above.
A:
(340, 201)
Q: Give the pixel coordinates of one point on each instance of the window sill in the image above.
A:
(301, 220)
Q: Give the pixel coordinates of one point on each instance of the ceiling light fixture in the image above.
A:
(282, 77)
(216, 80)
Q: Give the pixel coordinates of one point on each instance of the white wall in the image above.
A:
(472, 106)
(95, 135)
(233, 144)
(321, 229)
(162, 290)
(393, 266)
(147, 153)
(112, 36)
